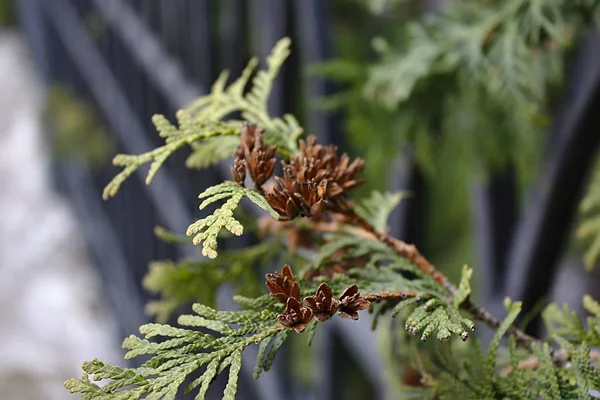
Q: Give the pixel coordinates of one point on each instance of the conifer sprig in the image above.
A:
(204, 125)
(175, 139)
(511, 50)
(225, 100)
(358, 266)
(206, 230)
(264, 322)
(183, 352)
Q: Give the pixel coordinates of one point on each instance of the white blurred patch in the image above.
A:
(52, 314)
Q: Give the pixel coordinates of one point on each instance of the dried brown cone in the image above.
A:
(321, 163)
(314, 181)
(295, 316)
(259, 158)
(293, 198)
(283, 286)
(323, 305)
(351, 302)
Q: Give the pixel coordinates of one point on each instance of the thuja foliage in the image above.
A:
(469, 86)
(482, 73)
(343, 262)
(76, 129)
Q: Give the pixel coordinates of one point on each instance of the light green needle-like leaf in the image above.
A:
(204, 124)
(378, 207)
(464, 288)
(184, 351)
(234, 372)
(206, 230)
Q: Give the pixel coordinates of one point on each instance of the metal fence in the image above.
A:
(134, 58)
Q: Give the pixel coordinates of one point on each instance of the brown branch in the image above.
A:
(388, 296)
(361, 226)
(403, 249)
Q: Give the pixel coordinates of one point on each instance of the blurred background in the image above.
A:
(496, 176)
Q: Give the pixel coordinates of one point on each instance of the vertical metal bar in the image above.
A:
(122, 290)
(198, 42)
(232, 32)
(166, 74)
(33, 22)
(406, 219)
(269, 24)
(314, 45)
(113, 103)
(495, 213)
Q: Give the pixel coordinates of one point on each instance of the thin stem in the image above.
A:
(389, 296)
(411, 253)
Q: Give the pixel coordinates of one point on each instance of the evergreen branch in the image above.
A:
(362, 227)
(206, 230)
(378, 207)
(221, 102)
(175, 139)
(388, 278)
(173, 360)
(527, 377)
(567, 324)
(358, 252)
(498, 47)
(202, 126)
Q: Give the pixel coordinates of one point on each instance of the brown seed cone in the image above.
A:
(351, 302)
(259, 158)
(317, 162)
(323, 305)
(292, 198)
(314, 181)
(295, 316)
(283, 286)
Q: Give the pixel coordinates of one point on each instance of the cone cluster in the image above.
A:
(314, 181)
(322, 305)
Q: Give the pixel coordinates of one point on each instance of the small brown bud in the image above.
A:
(351, 302)
(283, 286)
(323, 305)
(295, 316)
(314, 181)
(259, 158)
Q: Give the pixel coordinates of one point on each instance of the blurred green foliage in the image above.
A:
(76, 129)
(7, 13)
(469, 89)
